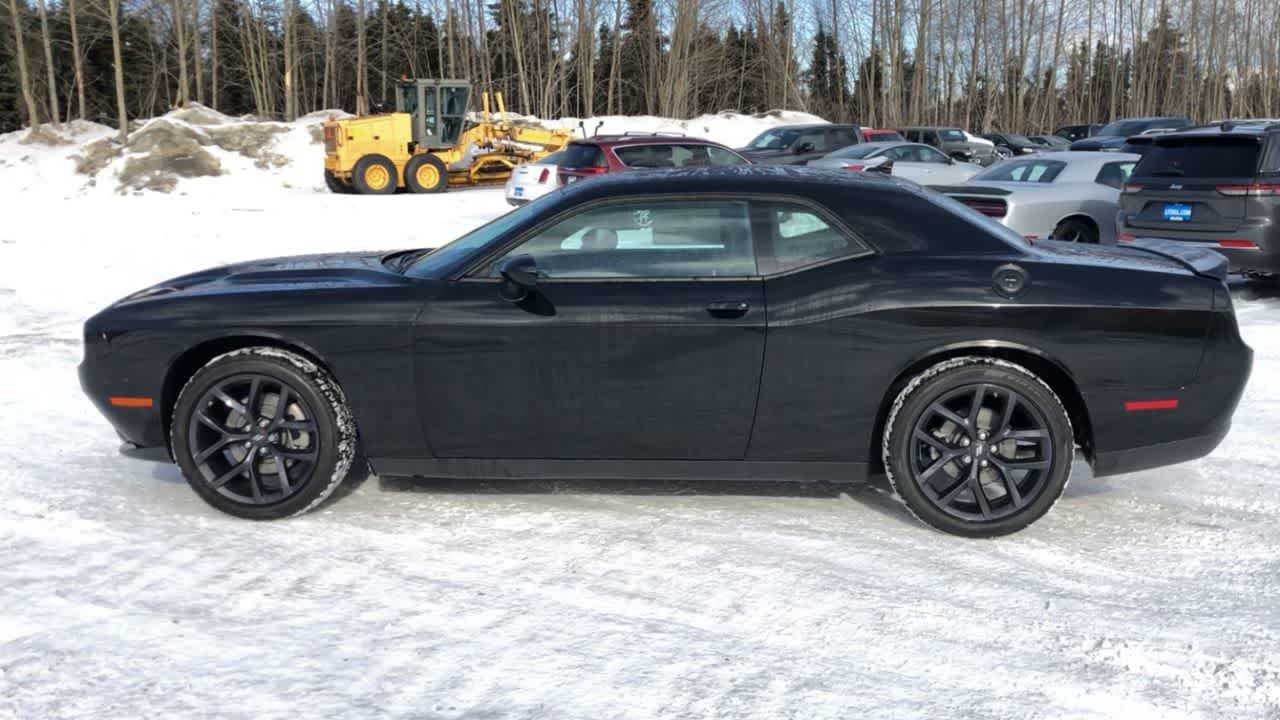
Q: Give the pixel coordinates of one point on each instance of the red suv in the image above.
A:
(610, 153)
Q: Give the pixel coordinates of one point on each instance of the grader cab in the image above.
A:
(428, 145)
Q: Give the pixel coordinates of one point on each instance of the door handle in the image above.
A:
(731, 309)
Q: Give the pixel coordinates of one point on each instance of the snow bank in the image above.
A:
(197, 150)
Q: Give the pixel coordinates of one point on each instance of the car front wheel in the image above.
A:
(263, 433)
(978, 446)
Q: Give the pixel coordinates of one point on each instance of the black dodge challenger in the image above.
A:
(737, 323)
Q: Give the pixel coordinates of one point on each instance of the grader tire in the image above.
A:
(374, 175)
(425, 174)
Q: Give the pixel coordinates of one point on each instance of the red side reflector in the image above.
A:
(130, 402)
(1126, 237)
(1239, 244)
(1139, 405)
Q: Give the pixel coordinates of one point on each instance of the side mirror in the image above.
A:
(951, 160)
(519, 277)
(804, 148)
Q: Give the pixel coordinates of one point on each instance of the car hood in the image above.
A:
(321, 270)
(1099, 143)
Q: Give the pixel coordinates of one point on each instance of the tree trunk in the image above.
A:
(75, 58)
(179, 28)
(362, 99)
(24, 79)
(118, 69)
(48, 63)
(199, 51)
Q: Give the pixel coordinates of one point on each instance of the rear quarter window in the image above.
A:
(582, 155)
(1200, 159)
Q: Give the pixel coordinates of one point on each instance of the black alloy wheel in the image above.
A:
(254, 439)
(978, 446)
(981, 452)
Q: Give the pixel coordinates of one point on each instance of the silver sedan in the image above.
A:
(919, 163)
(1070, 196)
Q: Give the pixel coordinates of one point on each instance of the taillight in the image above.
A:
(593, 170)
(1254, 190)
(1126, 237)
(1131, 188)
(546, 173)
(1238, 244)
(990, 208)
(855, 168)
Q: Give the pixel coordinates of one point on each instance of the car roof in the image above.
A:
(1254, 128)
(934, 127)
(764, 179)
(645, 139)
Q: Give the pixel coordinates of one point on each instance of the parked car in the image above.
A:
(984, 151)
(918, 163)
(775, 323)
(1050, 142)
(533, 180)
(1112, 136)
(950, 140)
(881, 135)
(798, 144)
(1214, 187)
(1071, 133)
(1069, 196)
(603, 154)
(1012, 144)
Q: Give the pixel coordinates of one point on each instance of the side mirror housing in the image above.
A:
(519, 277)
(804, 148)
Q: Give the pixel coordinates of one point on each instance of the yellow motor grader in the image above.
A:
(427, 144)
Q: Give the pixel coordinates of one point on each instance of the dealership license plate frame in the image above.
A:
(1177, 212)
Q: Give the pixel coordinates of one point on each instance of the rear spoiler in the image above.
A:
(1199, 260)
(970, 190)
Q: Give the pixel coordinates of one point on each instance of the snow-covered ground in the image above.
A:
(122, 595)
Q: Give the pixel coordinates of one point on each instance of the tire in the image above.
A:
(336, 185)
(374, 175)
(233, 463)
(932, 462)
(426, 173)
(1076, 230)
(1003, 152)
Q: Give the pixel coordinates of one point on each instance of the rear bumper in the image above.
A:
(1264, 256)
(1158, 455)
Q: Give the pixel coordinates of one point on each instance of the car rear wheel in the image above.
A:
(1077, 231)
(335, 184)
(262, 433)
(978, 447)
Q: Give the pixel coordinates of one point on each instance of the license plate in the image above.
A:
(519, 191)
(1177, 212)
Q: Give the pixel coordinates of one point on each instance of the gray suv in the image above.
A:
(953, 142)
(1216, 186)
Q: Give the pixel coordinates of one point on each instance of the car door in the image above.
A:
(643, 339)
(942, 170)
(906, 163)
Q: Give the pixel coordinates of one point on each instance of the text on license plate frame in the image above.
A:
(1177, 212)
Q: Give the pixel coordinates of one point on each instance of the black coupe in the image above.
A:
(739, 323)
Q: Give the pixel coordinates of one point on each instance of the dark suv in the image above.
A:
(798, 144)
(632, 151)
(1216, 186)
(1112, 136)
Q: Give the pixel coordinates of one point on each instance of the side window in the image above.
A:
(649, 156)
(721, 157)
(912, 135)
(931, 138)
(1114, 174)
(840, 137)
(647, 239)
(801, 236)
(930, 155)
(816, 138)
(1271, 156)
(899, 154)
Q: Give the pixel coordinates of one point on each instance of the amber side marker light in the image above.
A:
(130, 402)
(1137, 405)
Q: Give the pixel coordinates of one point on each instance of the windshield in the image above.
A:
(952, 135)
(1019, 139)
(774, 139)
(428, 262)
(857, 151)
(1121, 128)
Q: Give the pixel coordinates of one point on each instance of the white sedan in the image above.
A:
(919, 163)
(533, 180)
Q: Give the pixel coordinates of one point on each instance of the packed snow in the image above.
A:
(1152, 595)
